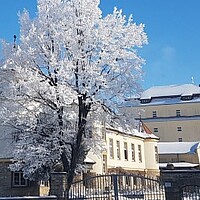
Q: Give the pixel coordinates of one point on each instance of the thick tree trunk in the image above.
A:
(76, 148)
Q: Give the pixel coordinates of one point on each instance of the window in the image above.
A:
(111, 148)
(179, 128)
(103, 130)
(156, 154)
(180, 139)
(125, 151)
(186, 98)
(103, 134)
(140, 153)
(155, 130)
(154, 113)
(18, 180)
(133, 152)
(178, 113)
(143, 101)
(118, 150)
(104, 163)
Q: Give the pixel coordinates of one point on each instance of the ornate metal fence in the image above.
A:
(191, 192)
(117, 187)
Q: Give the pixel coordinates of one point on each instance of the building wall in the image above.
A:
(167, 125)
(186, 109)
(151, 159)
(6, 188)
(168, 131)
(97, 168)
(44, 190)
(190, 158)
(122, 162)
(143, 161)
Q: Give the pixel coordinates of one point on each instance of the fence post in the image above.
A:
(114, 178)
(58, 184)
(172, 191)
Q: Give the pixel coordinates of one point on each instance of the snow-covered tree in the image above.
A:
(71, 68)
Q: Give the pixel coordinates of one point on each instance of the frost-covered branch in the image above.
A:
(71, 69)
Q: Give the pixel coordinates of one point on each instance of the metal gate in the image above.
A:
(117, 187)
(190, 192)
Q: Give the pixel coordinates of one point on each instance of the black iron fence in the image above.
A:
(190, 192)
(117, 187)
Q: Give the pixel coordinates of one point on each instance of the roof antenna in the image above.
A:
(192, 79)
(15, 37)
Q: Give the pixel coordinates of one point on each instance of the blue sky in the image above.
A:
(173, 28)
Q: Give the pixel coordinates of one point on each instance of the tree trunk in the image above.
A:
(76, 148)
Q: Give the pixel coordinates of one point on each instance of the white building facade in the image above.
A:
(135, 152)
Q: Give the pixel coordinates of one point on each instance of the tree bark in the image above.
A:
(76, 148)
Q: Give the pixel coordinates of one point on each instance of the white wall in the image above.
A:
(149, 146)
(147, 153)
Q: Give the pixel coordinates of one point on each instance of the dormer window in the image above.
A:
(143, 101)
(186, 97)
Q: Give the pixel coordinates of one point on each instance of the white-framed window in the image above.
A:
(103, 132)
(179, 128)
(118, 150)
(104, 163)
(18, 180)
(156, 153)
(154, 114)
(155, 130)
(178, 113)
(111, 148)
(125, 151)
(140, 153)
(133, 152)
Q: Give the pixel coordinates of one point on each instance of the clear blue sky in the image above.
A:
(173, 28)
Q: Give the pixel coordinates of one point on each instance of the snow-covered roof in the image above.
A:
(165, 95)
(179, 165)
(177, 147)
(134, 132)
(170, 90)
(170, 101)
(145, 135)
(89, 160)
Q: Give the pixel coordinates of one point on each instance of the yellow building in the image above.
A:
(134, 152)
(171, 112)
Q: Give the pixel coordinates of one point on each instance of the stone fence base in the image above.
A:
(30, 198)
